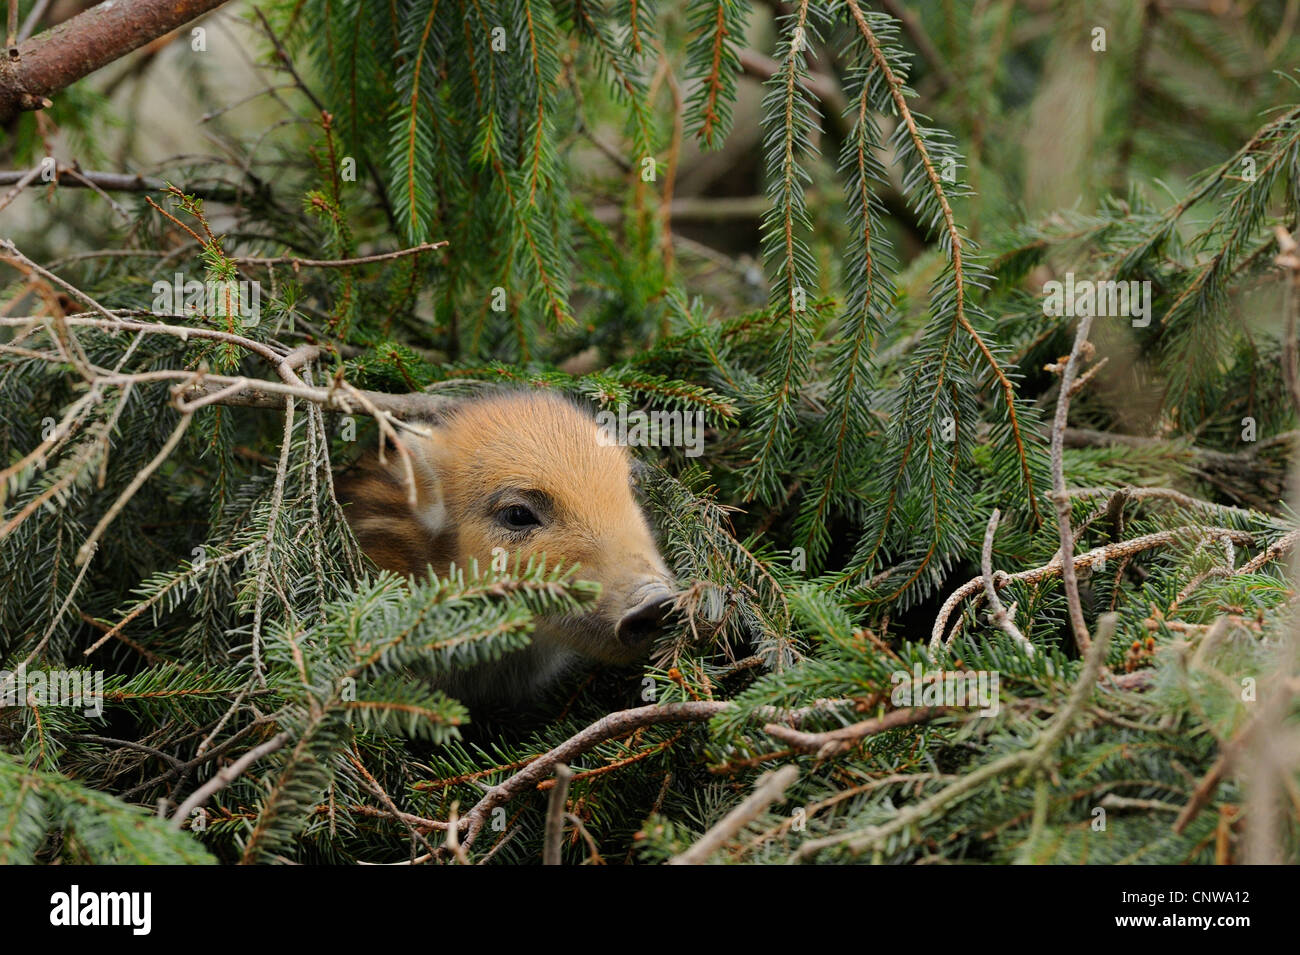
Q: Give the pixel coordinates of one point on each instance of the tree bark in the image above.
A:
(60, 56)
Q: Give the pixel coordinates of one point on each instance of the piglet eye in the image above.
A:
(518, 518)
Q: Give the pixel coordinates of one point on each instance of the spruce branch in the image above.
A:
(713, 62)
(267, 546)
(87, 549)
(954, 241)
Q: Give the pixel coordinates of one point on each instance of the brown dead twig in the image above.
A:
(225, 776)
(555, 816)
(607, 727)
(200, 389)
(534, 775)
(105, 182)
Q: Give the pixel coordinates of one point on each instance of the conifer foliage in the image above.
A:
(989, 304)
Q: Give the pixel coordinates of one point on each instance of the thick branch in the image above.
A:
(78, 47)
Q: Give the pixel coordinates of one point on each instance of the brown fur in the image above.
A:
(519, 449)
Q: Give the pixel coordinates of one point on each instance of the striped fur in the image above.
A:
(488, 457)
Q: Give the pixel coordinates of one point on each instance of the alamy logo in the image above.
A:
(24, 687)
(1106, 298)
(653, 429)
(75, 907)
(214, 299)
(947, 688)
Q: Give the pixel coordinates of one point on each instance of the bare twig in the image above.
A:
(413, 824)
(296, 263)
(836, 741)
(104, 182)
(77, 176)
(225, 776)
(131, 744)
(24, 180)
(453, 843)
(608, 727)
(33, 19)
(555, 816)
(771, 788)
(253, 393)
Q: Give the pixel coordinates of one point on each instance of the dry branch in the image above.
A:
(555, 816)
(66, 177)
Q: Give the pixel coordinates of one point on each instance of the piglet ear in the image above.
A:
(398, 534)
(639, 471)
